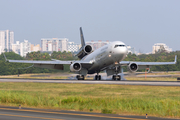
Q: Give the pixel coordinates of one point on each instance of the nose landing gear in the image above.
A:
(116, 76)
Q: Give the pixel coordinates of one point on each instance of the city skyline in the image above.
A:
(61, 44)
(140, 51)
(136, 23)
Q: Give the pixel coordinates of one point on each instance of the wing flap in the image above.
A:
(50, 66)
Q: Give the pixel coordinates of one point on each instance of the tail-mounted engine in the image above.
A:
(75, 67)
(132, 67)
(87, 49)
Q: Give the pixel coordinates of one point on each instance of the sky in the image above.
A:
(138, 23)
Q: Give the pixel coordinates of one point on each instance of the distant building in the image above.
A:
(131, 50)
(97, 44)
(35, 48)
(25, 47)
(64, 45)
(16, 47)
(158, 47)
(1, 50)
(73, 47)
(6, 40)
(54, 44)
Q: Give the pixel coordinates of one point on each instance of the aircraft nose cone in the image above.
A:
(120, 53)
(123, 50)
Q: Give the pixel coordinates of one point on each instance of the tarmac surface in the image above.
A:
(14, 113)
(127, 82)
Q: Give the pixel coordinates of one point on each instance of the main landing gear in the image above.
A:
(97, 77)
(80, 77)
(116, 77)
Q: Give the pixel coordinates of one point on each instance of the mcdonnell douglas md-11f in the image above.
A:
(108, 58)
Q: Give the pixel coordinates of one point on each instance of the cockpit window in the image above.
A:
(119, 46)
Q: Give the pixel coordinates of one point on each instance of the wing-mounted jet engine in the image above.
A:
(133, 67)
(75, 67)
(85, 49)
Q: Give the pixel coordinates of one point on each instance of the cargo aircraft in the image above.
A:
(108, 58)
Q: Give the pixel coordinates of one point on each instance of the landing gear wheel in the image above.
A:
(80, 77)
(113, 77)
(77, 77)
(119, 77)
(97, 77)
(116, 77)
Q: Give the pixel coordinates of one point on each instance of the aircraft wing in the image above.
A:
(44, 64)
(41, 62)
(54, 64)
(57, 64)
(149, 63)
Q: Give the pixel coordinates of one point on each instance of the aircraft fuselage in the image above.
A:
(105, 56)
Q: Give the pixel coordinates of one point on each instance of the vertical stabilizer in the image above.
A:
(82, 38)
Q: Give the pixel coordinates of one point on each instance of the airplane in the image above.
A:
(108, 58)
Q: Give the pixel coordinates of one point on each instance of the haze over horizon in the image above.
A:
(139, 23)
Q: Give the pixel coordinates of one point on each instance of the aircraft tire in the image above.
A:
(96, 77)
(119, 77)
(99, 77)
(113, 77)
(80, 77)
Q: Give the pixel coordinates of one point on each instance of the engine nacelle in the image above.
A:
(75, 67)
(87, 49)
(133, 67)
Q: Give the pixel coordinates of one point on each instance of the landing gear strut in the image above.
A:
(80, 77)
(116, 76)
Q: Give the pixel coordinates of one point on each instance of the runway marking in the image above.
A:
(30, 117)
(92, 115)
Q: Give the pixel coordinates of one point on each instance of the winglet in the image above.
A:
(6, 60)
(82, 37)
(175, 60)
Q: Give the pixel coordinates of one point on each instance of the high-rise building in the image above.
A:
(159, 47)
(35, 48)
(25, 47)
(54, 44)
(6, 40)
(73, 47)
(97, 44)
(16, 47)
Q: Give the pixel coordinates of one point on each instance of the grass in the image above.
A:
(152, 78)
(119, 99)
(173, 77)
(38, 76)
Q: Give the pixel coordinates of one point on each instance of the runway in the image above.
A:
(14, 113)
(152, 83)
